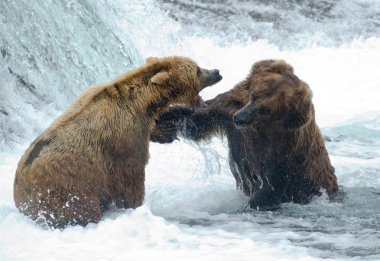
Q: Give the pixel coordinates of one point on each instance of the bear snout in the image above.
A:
(216, 72)
(209, 77)
(217, 75)
(244, 116)
(237, 121)
(242, 119)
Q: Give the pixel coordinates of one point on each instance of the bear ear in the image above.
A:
(151, 59)
(273, 66)
(280, 66)
(160, 78)
(262, 66)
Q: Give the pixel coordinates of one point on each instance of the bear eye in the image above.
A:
(198, 71)
(263, 110)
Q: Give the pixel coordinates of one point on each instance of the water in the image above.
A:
(289, 24)
(52, 50)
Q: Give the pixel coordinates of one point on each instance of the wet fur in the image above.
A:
(95, 153)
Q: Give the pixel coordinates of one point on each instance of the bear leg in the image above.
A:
(60, 209)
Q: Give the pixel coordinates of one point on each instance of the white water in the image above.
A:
(192, 210)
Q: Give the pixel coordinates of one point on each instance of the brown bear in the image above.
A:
(95, 153)
(276, 150)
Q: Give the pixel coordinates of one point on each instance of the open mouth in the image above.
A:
(201, 103)
(217, 78)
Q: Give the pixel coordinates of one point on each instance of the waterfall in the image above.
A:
(49, 52)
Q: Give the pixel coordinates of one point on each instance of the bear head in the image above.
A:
(182, 79)
(278, 98)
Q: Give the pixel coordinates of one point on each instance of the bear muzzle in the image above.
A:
(209, 77)
(244, 116)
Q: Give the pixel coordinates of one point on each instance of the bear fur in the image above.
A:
(95, 153)
(276, 151)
